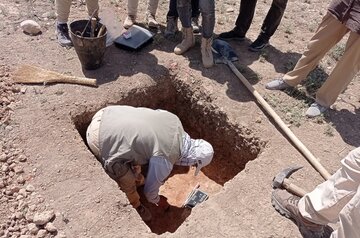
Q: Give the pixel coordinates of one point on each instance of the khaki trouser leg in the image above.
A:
(344, 71)
(92, 5)
(127, 184)
(62, 10)
(132, 6)
(329, 32)
(152, 6)
(338, 196)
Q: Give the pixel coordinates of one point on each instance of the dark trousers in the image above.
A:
(271, 22)
(195, 12)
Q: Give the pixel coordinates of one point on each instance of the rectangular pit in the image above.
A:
(234, 146)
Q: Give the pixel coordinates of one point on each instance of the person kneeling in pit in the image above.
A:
(123, 138)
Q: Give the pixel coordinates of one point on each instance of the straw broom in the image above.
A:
(34, 74)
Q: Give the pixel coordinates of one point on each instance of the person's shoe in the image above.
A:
(129, 21)
(287, 205)
(231, 35)
(206, 52)
(144, 213)
(315, 110)
(277, 84)
(151, 22)
(187, 42)
(195, 24)
(258, 44)
(171, 26)
(62, 34)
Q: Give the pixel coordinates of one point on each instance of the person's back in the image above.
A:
(136, 134)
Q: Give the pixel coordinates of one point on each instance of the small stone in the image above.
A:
(4, 168)
(30, 188)
(18, 170)
(2, 184)
(33, 229)
(25, 236)
(22, 158)
(60, 235)
(43, 218)
(50, 227)
(230, 9)
(3, 158)
(19, 215)
(22, 192)
(14, 228)
(31, 27)
(20, 180)
(14, 188)
(41, 233)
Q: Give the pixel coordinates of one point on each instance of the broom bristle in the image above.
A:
(34, 74)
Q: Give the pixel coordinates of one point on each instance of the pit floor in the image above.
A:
(176, 189)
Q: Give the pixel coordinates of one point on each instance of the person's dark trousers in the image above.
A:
(195, 11)
(271, 22)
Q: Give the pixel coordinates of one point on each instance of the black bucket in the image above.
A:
(90, 50)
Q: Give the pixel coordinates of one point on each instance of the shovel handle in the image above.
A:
(299, 145)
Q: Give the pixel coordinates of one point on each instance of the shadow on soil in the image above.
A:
(347, 124)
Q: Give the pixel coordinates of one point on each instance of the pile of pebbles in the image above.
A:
(23, 212)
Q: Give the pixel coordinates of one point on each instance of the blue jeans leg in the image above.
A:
(207, 9)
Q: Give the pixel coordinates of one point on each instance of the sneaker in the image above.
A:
(129, 21)
(315, 110)
(231, 35)
(144, 213)
(150, 19)
(195, 24)
(287, 205)
(277, 84)
(62, 34)
(258, 44)
(171, 26)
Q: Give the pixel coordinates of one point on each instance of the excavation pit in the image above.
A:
(234, 146)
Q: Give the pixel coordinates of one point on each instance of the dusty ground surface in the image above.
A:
(47, 170)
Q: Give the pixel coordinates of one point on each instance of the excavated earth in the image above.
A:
(47, 169)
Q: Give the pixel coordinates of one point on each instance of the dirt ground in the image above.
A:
(52, 186)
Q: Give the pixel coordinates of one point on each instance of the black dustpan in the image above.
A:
(134, 38)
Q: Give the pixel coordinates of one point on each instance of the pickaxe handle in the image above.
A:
(292, 188)
(299, 145)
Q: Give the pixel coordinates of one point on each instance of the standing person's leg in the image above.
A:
(345, 70)
(184, 11)
(171, 19)
(207, 9)
(338, 195)
(172, 9)
(349, 219)
(92, 6)
(334, 198)
(270, 24)
(130, 20)
(329, 32)
(243, 21)
(62, 30)
(195, 12)
(151, 12)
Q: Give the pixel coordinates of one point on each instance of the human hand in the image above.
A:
(163, 204)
